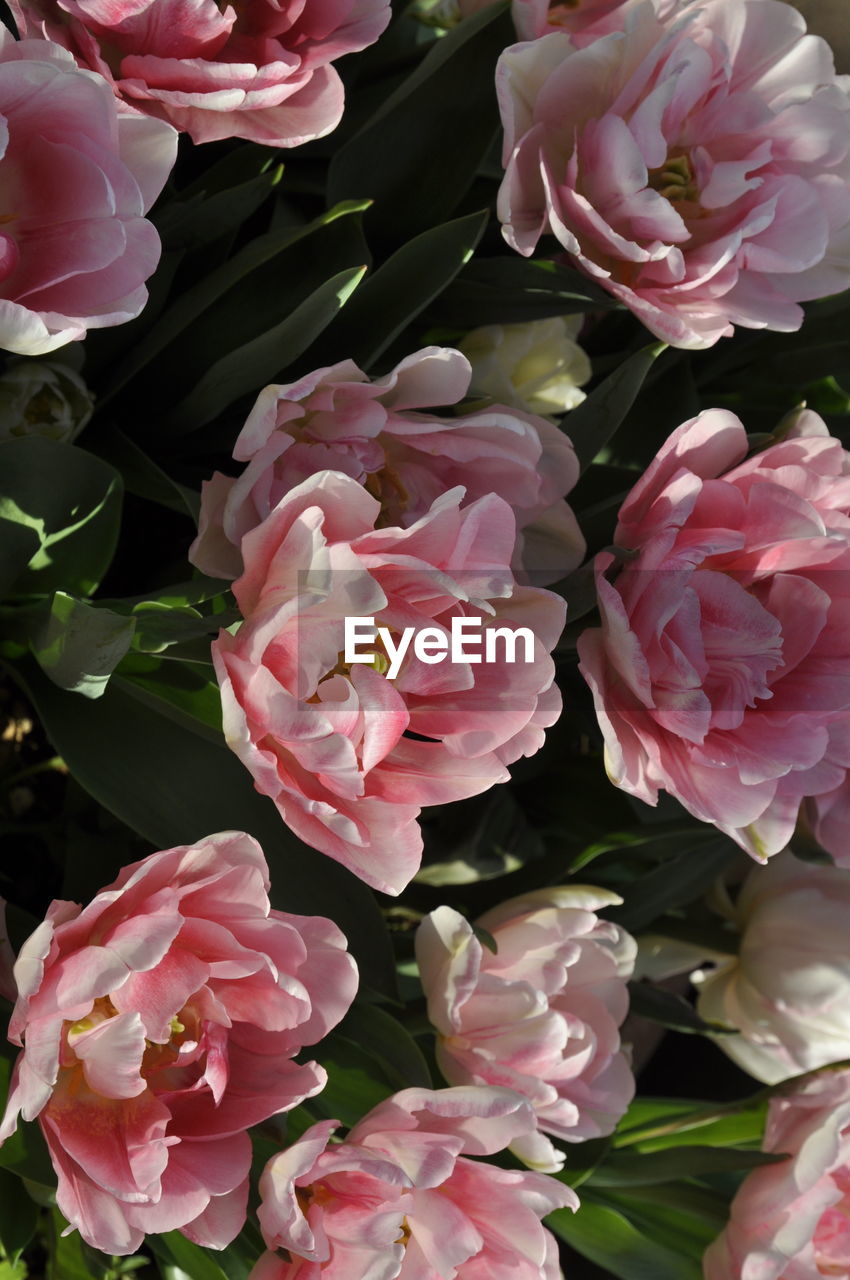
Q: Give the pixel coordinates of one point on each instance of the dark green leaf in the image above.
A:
(18, 1215)
(400, 289)
(418, 155)
(197, 1263)
(258, 362)
(173, 787)
(197, 301)
(79, 646)
(355, 1084)
(142, 476)
(655, 1124)
(202, 219)
(60, 509)
(180, 691)
(608, 1238)
(678, 881)
(388, 1043)
(679, 1163)
(512, 290)
(594, 422)
(648, 1001)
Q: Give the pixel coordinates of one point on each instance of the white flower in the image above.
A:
(538, 366)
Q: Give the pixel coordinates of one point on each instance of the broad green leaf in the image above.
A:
(197, 1263)
(418, 155)
(677, 881)
(655, 1124)
(196, 302)
(180, 691)
(634, 1169)
(595, 421)
(512, 290)
(142, 476)
(60, 509)
(160, 624)
(670, 1010)
(202, 219)
(388, 1043)
(608, 1238)
(79, 645)
(402, 287)
(683, 1231)
(18, 1215)
(250, 367)
(356, 1082)
(174, 787)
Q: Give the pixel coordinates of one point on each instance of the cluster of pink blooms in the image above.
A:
(693, 158)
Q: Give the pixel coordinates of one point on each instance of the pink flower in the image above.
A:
(158, 1024)
(697, 167)
(377, 433)
(787, 990)
(400, 1197)
(721, 671)
(583, 20)
(349, 753)
(540, 1014)
(259, 69)
(791, 1220)
(75, 247)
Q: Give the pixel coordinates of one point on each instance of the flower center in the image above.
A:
(674, 180)
(386, 486)
(560, 11)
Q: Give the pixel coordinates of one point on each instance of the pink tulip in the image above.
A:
(381, 433)
(259, 69)
(75, 246)
(159, 1023)
(540, 1015)
(349, 753)
(721, 671)
(696, 163)
(791, 1220)
(401, 1198)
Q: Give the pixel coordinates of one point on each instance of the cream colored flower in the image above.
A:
(536, 366)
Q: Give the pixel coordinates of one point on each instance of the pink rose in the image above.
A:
(158, 1024)
(75, 247)
(697, 167)
(791, 1220)
(259, 69)
(376, 432)
(399, 1197)
(787, 990)
(721, 671)
(350, 752)
(540, 1015)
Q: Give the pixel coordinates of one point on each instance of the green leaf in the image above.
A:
(173, 787)
(60, 509)
(514, 291)
(203, 219)
(418, 155)
(18, 1216)
(254, 260)
(388, 1043)
(355, 1084)
(79, 645)
(608, 1238)
(670, 1010)
(402, 287)
(678, 880)
(142, 476)
(197, 1263)
(160, 624)
(250, 367)
(655, 1124)
(180, 691)
(595, 421)
(633, 1169)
